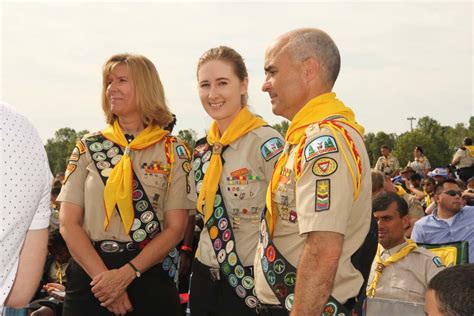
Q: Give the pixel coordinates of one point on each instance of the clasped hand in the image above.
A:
(109, 287)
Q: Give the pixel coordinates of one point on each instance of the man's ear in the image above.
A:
(311, 69)
(406, 221)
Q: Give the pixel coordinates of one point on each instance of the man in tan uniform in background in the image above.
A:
(387, 163)
(318, 213)
(401, 270)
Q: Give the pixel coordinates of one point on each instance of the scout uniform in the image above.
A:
(315, 192)
(407, 278)
(159, 185)
(222, 272)
(419, 165)
(387, 165)
(465, 163)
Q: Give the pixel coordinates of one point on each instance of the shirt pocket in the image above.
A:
(409, 288)
(155, 186)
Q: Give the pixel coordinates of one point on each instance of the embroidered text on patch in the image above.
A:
(320, 146)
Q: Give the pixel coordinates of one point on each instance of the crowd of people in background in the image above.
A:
(247, 211)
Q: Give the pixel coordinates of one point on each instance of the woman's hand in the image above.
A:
(121, 306)
(109, 285)
(50, 287)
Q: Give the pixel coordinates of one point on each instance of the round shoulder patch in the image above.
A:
(324, 166)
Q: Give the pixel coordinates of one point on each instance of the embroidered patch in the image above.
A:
(271, 148)
(187, 166)
(71, 167)
(324, 166)
(320, 146)
(181, 151)
(323, 195)
(437, 262)
(200, 149)
(81, 147)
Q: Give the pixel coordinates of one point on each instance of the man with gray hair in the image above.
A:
(315, 248)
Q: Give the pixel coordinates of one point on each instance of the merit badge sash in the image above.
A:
(146, 225)
(281, 274)
(222, 236)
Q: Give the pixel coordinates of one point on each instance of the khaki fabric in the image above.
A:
(465, 159)
(406, 280)
(84, 187)
(244, 202)
(298, 215)
(419, 165)
(392, 164)
(415, 209)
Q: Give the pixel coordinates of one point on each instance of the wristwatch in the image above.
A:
(137, 272)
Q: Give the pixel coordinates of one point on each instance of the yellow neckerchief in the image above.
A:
(470, 149)
(400, 190)
(427, 198)
(118, 189)
(243, 123)
(316, 110)
(381, 264)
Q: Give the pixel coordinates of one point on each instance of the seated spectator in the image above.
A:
(451, 292)
(463, 160)
(405, 175)
(439, 174)
(428, 192)
(414, 186)
(449, 222)
(387, 164)
(401, 270)
(382, 183)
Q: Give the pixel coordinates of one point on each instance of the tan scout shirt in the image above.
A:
(84, 187)
(244, 202)
(415, 209)
(407, 279)
(301, 211)
(387, 165)
(419, 165)
(463, 158)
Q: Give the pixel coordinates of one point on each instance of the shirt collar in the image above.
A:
(392, 250)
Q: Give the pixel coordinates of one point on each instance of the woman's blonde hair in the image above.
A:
(228, 55)
(150, 95)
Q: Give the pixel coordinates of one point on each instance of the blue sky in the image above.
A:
(399, 59)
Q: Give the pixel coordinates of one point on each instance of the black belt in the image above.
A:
(214, 273)
(113, 246)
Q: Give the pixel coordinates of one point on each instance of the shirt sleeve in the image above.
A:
(177, 196)
(324, 193)
(417, 233)
(72, 190)
(378, 164)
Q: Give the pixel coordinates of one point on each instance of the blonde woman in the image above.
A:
(123, 201)
(231, 170)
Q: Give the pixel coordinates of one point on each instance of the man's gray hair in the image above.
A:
(307, 43)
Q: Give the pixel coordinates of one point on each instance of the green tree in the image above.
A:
(281, 127)
(189, 137)
(59, 147)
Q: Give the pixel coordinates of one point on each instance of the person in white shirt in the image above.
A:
(25, 186)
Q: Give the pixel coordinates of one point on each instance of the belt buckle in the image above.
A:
(130, 246)
(109, 246)
(215, 274)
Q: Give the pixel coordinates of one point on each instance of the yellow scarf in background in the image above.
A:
(243, 123)
(118, 189)
(316, 110)
(381, 264)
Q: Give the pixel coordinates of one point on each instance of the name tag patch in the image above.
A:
(320, 146)
(271, 148)
(323, 195)
(324, 166)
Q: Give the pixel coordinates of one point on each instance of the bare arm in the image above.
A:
(316, 272)
(30, 268)
(78, 242)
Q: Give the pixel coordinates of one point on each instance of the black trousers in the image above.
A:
(153, 294)
(465, 173)
(214, 298)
